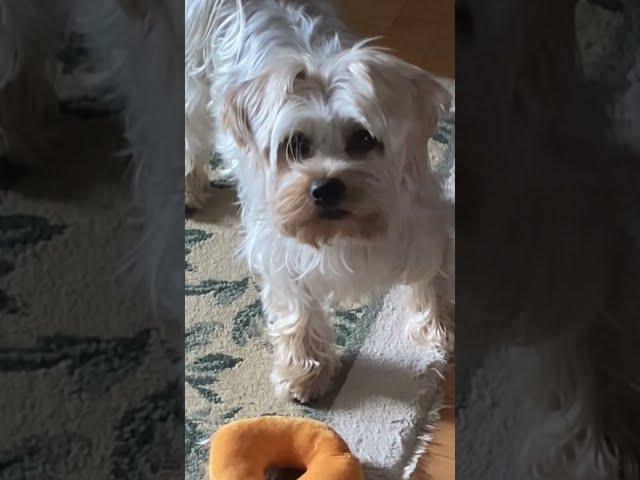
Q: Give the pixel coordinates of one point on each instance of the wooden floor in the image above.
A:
(440, 461)
(422, 32)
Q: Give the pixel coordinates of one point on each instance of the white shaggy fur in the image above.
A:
(149, 36)
(258, 72)
(549, 260)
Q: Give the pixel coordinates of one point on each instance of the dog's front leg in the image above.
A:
(305, 357)
(430, 321)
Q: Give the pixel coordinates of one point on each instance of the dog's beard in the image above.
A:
(361, 217)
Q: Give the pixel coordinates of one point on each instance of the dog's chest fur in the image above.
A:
(346, 270)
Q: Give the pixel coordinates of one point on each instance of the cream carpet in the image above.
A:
(84, 372)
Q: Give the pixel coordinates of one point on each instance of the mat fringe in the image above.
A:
(411, 471)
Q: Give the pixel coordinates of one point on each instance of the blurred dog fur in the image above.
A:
(149, 35)
(549, 217)
(30, 33)
(327, 139)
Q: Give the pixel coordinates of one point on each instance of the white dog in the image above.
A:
(327, 138)
(148, 35)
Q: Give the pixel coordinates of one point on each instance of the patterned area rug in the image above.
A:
(86, 371)
(385, 396)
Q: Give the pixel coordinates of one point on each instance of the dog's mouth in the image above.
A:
(321, 226)
(333, 214)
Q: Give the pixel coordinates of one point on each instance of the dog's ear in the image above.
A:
(251, 105)
(239, 104)
(430, 100)
(412, 101)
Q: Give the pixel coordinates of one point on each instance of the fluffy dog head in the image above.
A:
(333, 144)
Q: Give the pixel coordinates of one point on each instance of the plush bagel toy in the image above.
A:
(246, 449)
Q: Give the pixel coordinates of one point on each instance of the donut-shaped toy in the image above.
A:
(246, 449)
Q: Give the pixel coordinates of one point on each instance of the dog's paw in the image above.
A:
(196, 198)
(197, 188)
(306, 382)
(431, 329)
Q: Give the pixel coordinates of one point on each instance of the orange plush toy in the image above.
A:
(246, 449)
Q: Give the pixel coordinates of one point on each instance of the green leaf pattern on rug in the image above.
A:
(18, 233)
(445, 135)
(199, 335)
(445, 131)
(231, 414)
(94, 364)
(352, 326)
(192, 237)
(144, 446)
(203, 373)
(247, 323)
(224, 292)
(195, 453)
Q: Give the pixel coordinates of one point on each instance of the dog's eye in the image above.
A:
(360, 142)
(299, 146)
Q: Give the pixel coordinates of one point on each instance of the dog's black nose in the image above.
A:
(328, 192)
